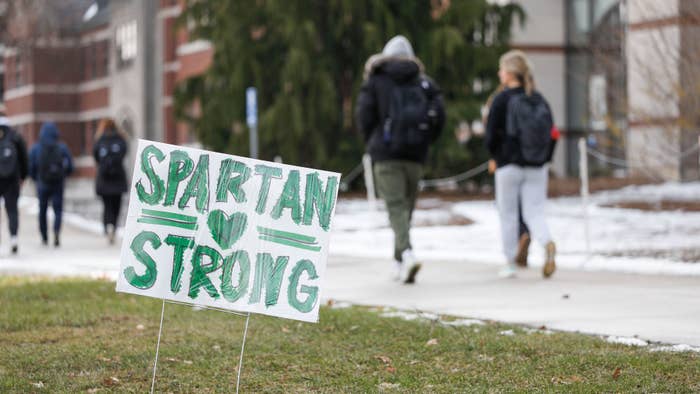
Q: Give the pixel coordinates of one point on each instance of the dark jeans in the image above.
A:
(112, 207)
(55, 194)
(9, 192)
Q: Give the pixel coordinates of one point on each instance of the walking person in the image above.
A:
(400, 114)
(110, 184)
(50, 162)
(519, 138)
(13, 171)
(523, 231)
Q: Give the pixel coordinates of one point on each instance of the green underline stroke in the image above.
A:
(169, 215)
(285, 234)
(167, 222)
(288, 242)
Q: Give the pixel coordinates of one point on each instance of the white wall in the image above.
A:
(653, 86)
(652, 151)
(544, 24)
(645, 10)
(653, 72)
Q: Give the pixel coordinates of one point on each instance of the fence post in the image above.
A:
(369, 181)
(583, 172)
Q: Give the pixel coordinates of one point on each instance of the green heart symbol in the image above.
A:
(226, 230)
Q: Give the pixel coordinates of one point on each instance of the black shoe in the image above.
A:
(56, 243)
(14, 244)
(44, 242)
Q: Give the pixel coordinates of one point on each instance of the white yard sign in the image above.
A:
(228, 232)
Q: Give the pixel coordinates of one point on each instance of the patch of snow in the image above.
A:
(463, 323)
(410, 315)
(359, 232)
(507, 333)
(675, 191)
(675, 348)
(538, 331)
(630, 341)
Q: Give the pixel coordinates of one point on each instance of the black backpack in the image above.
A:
(9, 159)
(411, 117)
(530, 122)
(110, 158)
(51, 168)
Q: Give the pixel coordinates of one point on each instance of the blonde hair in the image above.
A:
(108, 124)
(515, 62)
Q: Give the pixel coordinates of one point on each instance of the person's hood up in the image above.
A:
(48, 133)
(396, 59)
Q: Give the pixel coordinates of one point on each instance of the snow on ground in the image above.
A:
(361, 232)
(627, 341)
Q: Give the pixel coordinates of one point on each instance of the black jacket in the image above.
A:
(22, 157)
(373, 106)
(110, 183)
(503, 148)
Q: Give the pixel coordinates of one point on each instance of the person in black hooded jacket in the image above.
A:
(398, 167)
(13, 170)
(110, 184)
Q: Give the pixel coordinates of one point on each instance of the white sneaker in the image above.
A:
(509, 271)
(396, 274)
(409, 267)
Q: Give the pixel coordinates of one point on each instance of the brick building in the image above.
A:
(119, 58)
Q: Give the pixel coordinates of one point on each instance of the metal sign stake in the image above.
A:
(160, 331)
(240, 361)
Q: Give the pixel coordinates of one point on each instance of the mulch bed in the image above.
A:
(662, 205)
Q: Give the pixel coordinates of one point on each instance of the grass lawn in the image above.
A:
(75, 335)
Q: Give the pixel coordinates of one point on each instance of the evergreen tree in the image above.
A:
(306, 59)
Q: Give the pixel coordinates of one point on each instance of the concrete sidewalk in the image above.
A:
(656, 308)
(81, 252)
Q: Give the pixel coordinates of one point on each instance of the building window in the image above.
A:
(126, 43)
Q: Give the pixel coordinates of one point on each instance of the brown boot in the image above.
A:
(549, 264)
(523, 246)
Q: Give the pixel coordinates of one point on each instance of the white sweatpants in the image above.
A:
(529, 184)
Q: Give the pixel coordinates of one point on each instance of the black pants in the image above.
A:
(9, 192)
(112, 207)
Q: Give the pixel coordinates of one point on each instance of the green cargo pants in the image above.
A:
(397, 184)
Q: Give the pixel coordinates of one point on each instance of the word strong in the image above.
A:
(225, 231)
